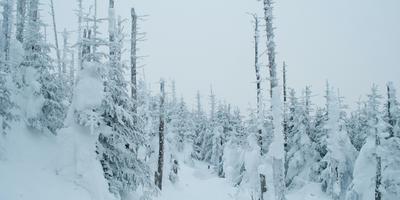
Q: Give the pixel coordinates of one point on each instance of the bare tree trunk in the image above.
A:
(80, 15)
(212, 103)
(7, 26)
(159, 174)
(389, 107)
(95, 28)
(111, 29)
(72, 69)
(263, 187)
(378, 176)
(285, 125)
(65, 51)
(277, 147)
(133, 59)
(53, 16)
(21, 14)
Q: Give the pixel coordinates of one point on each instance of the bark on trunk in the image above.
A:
(133, 59)
(159, 174)
(21, 14)
(378, 176)
(53, 16)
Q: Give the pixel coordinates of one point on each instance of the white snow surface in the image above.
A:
(41, 166)
(197, 183)
(200, 183)
(32, 168)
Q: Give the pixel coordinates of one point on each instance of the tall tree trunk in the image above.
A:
(111, 29)
(133, 59)
(65, 52)
(277, 147)
(263, 184)
(72, 69)
(285, 115)
(7, 26)
(159, 174)
(95, 29)
(21, 14)
(389, 107)
(53, 16)
(80, 50)
(378, 176)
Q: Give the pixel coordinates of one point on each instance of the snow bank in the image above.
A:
(89, 90)
(42, 166)
(29, 169)
(363, 186)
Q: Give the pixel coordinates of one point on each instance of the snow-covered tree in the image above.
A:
(276, 149)
(6, 103)
(367, 169)
(118, 148)
(357, 126)
(42, 88)
(200, 127)
(301, 150)
(340, 152)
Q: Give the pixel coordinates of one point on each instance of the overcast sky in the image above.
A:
(353, 44)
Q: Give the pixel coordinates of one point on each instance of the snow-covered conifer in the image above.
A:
(341, 154)
(42, 88)
(301, 152)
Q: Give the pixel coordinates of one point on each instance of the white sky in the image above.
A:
(353, 44)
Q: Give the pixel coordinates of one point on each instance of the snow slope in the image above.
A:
(200, 183)
(197, 183)
(28, 169)
(41, 166)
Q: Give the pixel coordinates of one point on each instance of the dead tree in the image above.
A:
(263, 184)
(65, 52)
(389, 106)
(378, 175)
(53, 16)
(277, 146)
(285, 115)
(112, 31)
(95, 28)
(159, 174)
(133, 59)
(6, 27)
(79, 46)
(21, 14)
(72, 69)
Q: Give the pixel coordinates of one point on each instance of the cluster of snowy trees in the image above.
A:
(141, 137)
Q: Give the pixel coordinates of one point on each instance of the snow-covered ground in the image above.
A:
(197, 183)
(200, 183)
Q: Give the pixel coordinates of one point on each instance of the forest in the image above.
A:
(79, 123)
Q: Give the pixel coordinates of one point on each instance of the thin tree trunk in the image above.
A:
(285, 125)
(6, 26)
(133, 59)
(21, 14)
(263, 184)
(80, 14)
(65, 51)
(378, 176)
(72, 69)
(389, 107)
(53, 16)
(277, 147)
(159, 174)
(95, 29)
